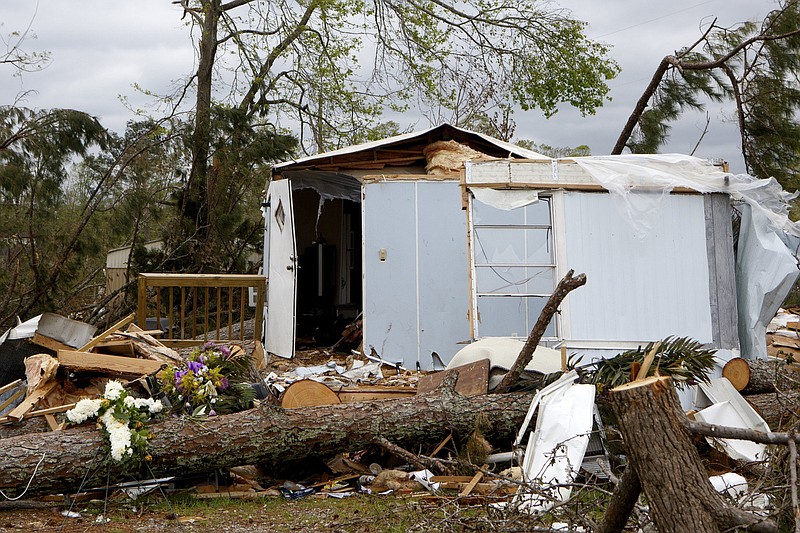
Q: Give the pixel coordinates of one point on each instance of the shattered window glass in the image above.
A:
(514, 266)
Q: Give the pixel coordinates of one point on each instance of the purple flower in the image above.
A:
(178, 376)
(195, 366)
(223, 383)
(225, 351)
(209, 345)
(212, 413)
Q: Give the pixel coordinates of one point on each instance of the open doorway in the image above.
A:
(328, 236)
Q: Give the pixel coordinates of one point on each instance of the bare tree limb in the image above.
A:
(564, 287)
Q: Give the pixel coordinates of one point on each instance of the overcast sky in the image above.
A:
(101, 48)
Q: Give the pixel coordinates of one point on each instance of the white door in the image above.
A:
(282, 293)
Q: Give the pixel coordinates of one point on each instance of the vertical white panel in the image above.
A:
(416, 274)
(282, 293)
(443, 271)
(637, 289)
(390, 285)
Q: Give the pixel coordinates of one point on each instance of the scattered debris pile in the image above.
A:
(65, 361)
(436, 436)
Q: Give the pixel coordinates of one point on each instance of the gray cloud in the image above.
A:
(100, 48)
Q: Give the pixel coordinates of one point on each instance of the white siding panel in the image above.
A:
(390, 303)
(443, 271)
(637, 289)
(416, 300)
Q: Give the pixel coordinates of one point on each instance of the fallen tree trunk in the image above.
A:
(771, 375)
(266, 435)
(667, 463)
(776, 408)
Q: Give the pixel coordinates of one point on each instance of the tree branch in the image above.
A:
(564, 287)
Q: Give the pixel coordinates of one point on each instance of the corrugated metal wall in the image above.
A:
(637, 289)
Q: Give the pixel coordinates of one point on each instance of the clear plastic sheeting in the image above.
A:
(638, 182)
(766, 269)
(505, 200)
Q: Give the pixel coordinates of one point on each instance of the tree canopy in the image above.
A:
(754, 66)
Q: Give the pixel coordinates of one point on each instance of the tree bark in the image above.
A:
(622, 503)
(564, 287)
(266, 435)
(770, 375)
(776, 408)
(672, 476)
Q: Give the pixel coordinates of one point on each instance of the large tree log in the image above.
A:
(266, 435)
(667, 463)
(776, 408)
(770, 375)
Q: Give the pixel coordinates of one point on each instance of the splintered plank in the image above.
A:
(473, 379)
(47, 342)
(123, 347)
(31, 400)
(119, 325)
(13, 385)
(471, 485)
(107, 364)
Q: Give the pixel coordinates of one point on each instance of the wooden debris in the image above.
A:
(150, 347)
(9, 386)
(80, 361)
(471, 485)
(441, 445)
(416, 461)
(115, 346)
(11, 399)
(31, 400)
(121, 324)
(375, 392)
(50, 344)
(39, 369)
(473, 379)
(52, 422)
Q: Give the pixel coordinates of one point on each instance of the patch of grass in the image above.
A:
(356, 513)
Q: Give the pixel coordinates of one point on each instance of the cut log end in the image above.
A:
(738, 373)
(308, 393)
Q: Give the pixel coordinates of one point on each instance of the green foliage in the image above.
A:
(305, 60)
(42, 224)
(218, 222)
(682, 358)
(752, 65)
(556, 151)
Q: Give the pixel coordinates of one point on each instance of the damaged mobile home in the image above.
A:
(441, 237)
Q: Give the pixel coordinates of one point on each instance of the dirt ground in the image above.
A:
(362, 513)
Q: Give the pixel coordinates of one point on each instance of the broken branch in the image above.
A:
(564, 287)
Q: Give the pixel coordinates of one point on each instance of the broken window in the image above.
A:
(513, 267)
